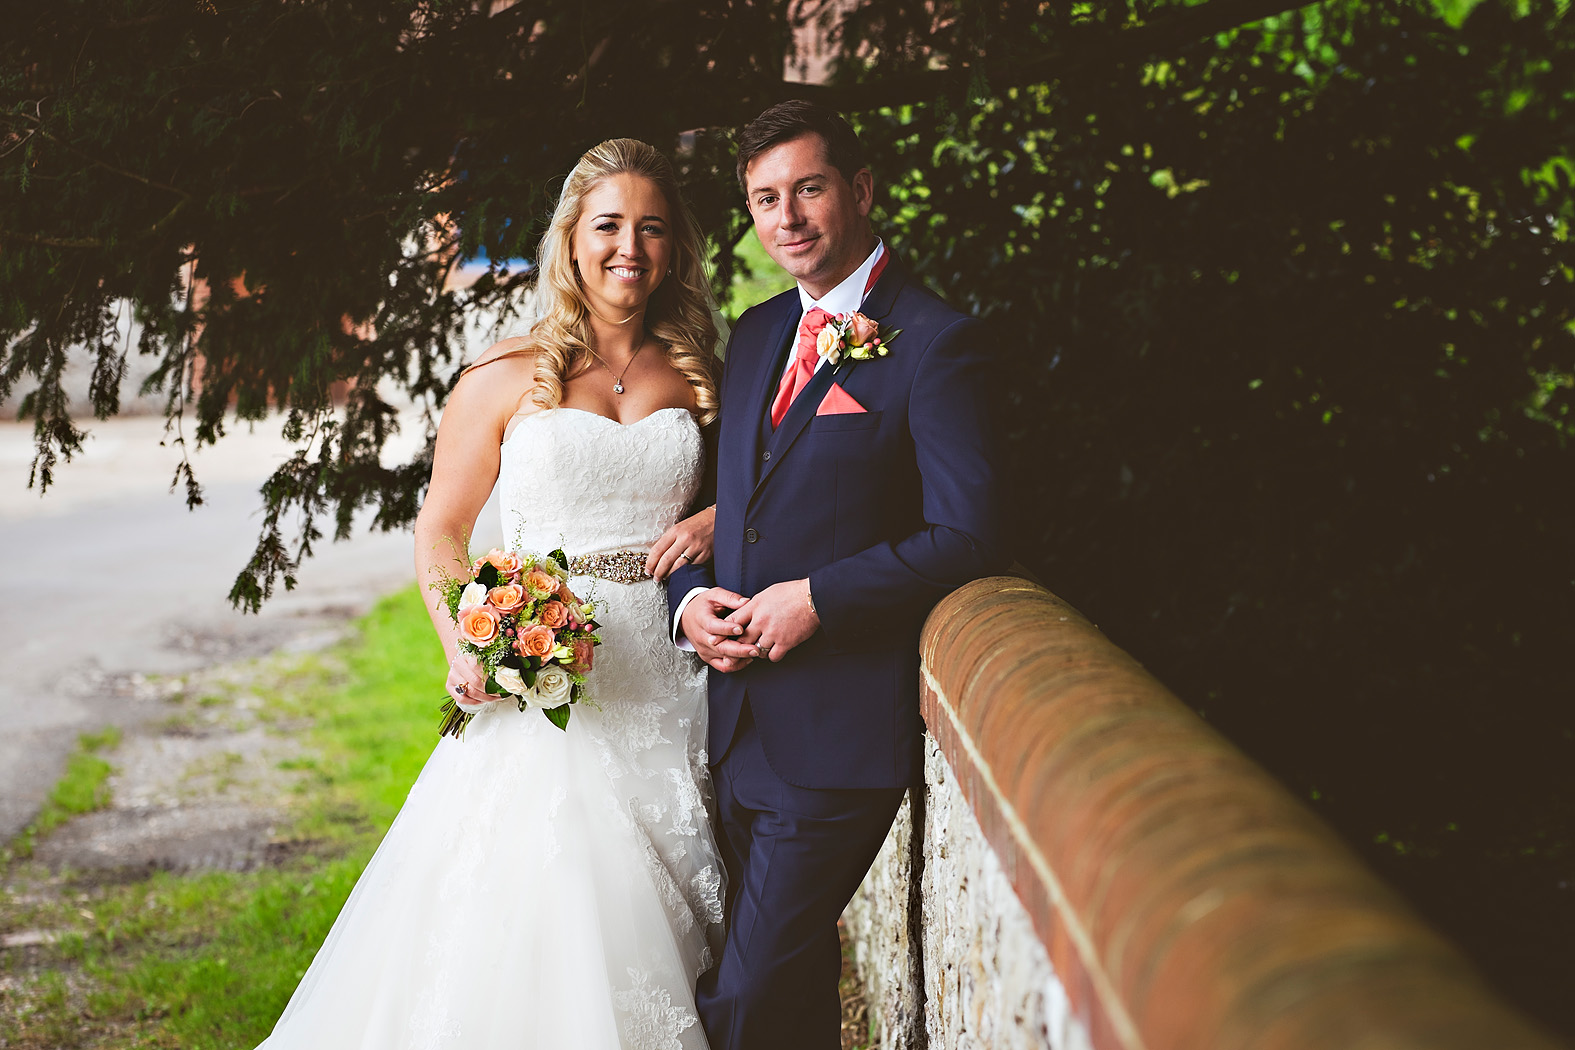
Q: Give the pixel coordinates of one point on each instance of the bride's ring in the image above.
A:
(459, 690)
(764, 647)
(682, 557)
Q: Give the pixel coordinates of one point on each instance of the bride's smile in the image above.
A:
(622, 247)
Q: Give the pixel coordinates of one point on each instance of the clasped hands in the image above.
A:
(730, 631)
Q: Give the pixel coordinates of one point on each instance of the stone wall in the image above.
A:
(1089, 866)
(958, 932)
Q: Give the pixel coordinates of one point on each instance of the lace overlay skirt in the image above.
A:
(540, 888)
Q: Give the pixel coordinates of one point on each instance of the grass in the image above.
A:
(208, 961)
(83, 788)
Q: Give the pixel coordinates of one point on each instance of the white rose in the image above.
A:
(827, 341)
(510, 678)
(473, 595)
(552, 687)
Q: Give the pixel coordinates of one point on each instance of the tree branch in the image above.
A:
(1083, 47)
(88, 242)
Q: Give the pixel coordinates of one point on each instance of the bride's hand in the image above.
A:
(687, 543)
(467, 684)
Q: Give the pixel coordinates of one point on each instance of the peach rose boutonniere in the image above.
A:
(531, 635)
(855, 337)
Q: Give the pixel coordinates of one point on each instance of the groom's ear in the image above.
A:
(863, 191)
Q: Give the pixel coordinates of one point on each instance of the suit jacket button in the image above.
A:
(750, 535)
(766, 455)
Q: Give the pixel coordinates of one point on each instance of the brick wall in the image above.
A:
(1090, 865)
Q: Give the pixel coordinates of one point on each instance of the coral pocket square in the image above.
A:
(838, 402)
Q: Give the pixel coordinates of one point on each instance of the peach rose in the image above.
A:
(584, 653)
(861, 329)
(506, 562)
(565, 595)
(534, 641)
(553, 614)
(508, 598)
(479, 624)
(539, 584)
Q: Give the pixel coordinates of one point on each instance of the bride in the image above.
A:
(540, 887)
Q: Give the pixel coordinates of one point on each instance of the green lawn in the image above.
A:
(207, 961)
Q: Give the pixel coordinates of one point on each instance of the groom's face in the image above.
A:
(809, 218)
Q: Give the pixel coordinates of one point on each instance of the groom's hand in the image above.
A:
(778, 619)
(714, 637)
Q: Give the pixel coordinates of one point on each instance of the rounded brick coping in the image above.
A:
(1185, 898)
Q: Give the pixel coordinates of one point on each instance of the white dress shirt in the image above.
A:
(845, 298)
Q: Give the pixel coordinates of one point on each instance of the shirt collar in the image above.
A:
(849, 295)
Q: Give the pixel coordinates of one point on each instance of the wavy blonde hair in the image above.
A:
(678, 313)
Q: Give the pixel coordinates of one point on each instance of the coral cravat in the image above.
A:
(797, 377)
(803, 370)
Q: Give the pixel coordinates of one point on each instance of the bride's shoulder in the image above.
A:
(514, 354)
(499, 381)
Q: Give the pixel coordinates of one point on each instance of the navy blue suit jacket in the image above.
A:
(885, 511)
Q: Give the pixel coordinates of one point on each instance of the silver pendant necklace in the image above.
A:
(618, 376)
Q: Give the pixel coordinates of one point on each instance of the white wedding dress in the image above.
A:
(542, 888)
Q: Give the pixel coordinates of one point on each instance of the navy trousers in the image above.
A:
(795, 856)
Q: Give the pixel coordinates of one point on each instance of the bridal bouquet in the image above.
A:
(531, 635)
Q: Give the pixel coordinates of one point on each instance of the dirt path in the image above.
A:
(156, 604)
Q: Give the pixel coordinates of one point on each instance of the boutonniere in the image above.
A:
(854, 336)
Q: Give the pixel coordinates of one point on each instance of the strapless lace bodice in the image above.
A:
(586, 483)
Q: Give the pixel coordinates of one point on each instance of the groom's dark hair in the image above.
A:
(788, 120)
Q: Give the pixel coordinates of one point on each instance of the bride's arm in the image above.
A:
(464, 469)
(694, 535)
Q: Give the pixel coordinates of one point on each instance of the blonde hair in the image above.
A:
(678, 313)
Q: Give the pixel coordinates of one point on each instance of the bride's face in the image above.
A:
(623, 243)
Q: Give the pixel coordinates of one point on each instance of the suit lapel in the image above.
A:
(763, 386)
(876, 306)
(798, 416)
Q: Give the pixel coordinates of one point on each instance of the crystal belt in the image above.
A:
(618, 566)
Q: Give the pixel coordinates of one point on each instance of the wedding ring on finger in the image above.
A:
(459, 690)
(682, 557)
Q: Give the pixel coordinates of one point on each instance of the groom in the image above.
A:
(851, 496)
